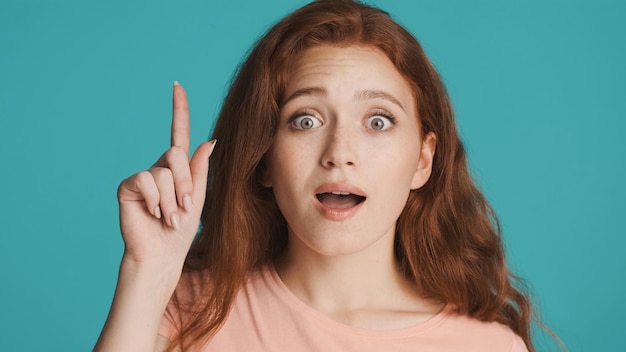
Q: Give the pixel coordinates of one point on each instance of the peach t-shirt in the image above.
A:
(266, 316)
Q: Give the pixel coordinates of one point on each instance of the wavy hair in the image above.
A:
(447, 238)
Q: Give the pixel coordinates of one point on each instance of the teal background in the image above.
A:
(538, 88)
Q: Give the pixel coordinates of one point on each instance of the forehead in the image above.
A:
(347, 69)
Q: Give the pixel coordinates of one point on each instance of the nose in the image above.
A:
(341, 149)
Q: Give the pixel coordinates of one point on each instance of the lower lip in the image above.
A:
(335, 214)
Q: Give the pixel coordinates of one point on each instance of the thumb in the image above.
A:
(199, 167)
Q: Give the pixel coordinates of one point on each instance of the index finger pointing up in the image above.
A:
(180, 118)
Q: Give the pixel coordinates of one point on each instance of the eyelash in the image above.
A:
(386, 115)
(292, 120)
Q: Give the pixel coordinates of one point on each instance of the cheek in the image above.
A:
(286, 161)
(400, 157)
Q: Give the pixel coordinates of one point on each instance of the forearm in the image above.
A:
(141, 297)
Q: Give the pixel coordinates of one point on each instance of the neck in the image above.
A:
(339, 280)
(344, 286)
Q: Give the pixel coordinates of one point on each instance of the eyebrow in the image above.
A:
(377, 94)
(303, 92)
(360, 95)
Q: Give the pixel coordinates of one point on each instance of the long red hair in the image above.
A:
(448, 239)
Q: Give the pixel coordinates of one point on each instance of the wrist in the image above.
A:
(157, 277)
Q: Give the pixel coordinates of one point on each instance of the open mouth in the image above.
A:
(339, 200)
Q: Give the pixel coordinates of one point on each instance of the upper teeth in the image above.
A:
(341, 193)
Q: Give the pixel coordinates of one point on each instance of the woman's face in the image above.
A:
(347, 150)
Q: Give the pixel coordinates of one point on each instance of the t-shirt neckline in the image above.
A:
(301, 308)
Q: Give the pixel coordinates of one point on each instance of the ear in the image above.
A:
(264, 175)
(425, 163)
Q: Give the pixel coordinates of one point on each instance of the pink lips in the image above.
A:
(338, 201)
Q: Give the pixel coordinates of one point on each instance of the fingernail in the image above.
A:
(187, 202)
(157, 212)
(213, 143)
(175, 222)
(176, 83)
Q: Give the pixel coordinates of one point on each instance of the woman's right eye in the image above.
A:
(305, 122)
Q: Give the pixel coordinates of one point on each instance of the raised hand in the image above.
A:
(160, 208)
(159, 215)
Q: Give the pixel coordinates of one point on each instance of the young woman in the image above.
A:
(338, 212)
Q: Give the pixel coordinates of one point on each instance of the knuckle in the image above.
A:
(162, 173)
(144, 182)
(143, 177)
(120, 188)
(174, 154)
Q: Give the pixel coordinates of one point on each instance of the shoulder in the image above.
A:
(193, 290)
(476, 335)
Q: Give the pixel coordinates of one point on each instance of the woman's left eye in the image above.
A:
(379, 122)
